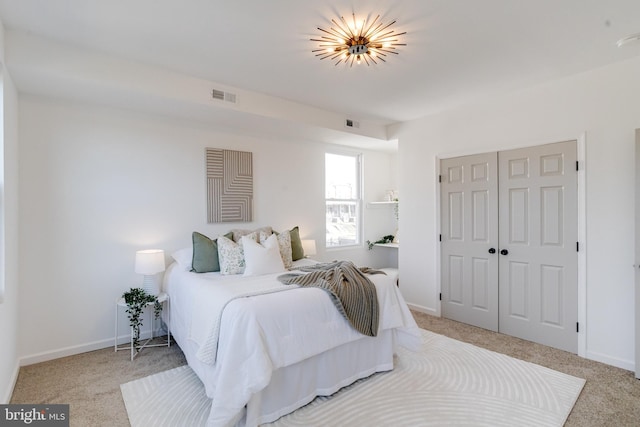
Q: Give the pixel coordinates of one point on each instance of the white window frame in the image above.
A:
(358, 200)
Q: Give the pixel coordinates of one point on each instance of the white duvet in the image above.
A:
(260, 334)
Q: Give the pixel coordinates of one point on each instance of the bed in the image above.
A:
(276, 351)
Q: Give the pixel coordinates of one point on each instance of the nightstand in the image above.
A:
(163, 299)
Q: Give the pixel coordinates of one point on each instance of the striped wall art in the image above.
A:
(229, 185)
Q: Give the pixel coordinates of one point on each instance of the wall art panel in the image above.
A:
(229, 185)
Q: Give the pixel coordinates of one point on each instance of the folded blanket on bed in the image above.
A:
(353, 294)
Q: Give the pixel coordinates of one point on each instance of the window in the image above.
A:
(343, 204)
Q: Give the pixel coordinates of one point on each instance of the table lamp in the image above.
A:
(308, 247)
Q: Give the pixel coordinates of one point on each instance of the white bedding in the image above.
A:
(261, 334)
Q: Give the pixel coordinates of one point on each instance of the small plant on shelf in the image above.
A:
(385, 239)
(136, 300)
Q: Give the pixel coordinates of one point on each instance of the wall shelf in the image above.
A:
(394, 202)
(388, 245)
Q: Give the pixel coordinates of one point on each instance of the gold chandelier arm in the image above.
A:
(386, 49)
(366, 33)
(351, 34)
(333, 33)
(382, 29)
(346, 33)
(384, 37)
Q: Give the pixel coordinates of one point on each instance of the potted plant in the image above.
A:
(385, 239)
(136, 300)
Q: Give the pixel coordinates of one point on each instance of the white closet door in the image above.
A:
(469, 216)
(538, 244)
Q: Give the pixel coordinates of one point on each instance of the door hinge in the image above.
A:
(439, 178)
(577, 326)
(577, 165)
(441, 237)
(440, 296)
(577, 246)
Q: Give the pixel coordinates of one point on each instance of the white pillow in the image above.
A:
(184, 257)
(230, 256)
(261, 259)
(284, 243)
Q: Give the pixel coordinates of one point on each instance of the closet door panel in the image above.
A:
(469, 217)
(538, 234)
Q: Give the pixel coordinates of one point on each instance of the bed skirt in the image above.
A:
(294, 386)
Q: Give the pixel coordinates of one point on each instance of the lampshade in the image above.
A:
(309, 247)
(149, 261)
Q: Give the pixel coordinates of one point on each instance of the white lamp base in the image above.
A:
(151, 285)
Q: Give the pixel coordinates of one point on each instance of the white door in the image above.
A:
(538, 244)
(523, 204)
(469, 201)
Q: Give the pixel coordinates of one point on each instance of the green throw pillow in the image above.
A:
(297, 252)
(205, 253)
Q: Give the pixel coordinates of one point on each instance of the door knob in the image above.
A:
(492, 250)
(504, 252)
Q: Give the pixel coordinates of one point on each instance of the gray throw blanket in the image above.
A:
(353, 294)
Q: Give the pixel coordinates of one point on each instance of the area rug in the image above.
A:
(448, 382)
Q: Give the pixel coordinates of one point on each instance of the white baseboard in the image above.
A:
(422, 309)
(64, 352)
(598, 357)
(12, 383)
(82, 348)
(628, 365)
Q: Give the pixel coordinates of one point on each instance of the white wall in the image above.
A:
(98, 183)
(8, 235)
(603, 104)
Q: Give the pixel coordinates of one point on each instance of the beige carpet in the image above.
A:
(448, 382)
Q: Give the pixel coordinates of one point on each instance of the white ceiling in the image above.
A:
(458, 51)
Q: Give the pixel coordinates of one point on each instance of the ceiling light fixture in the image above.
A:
(358, 41)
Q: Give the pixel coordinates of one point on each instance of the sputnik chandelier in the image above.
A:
(358, 41)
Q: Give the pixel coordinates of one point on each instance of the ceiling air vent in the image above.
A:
(351, 123)
(223, 96)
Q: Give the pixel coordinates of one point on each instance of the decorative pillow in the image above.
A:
(238, 233)
(205, 253)
(284, 245)
(183, 257)
(297, 252)
(231, 254)
(261, 259)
